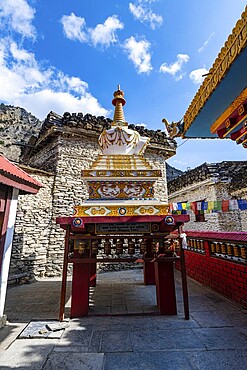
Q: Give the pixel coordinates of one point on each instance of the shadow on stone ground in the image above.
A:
(215, 337)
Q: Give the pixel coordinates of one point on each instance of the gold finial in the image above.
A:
(119, 102)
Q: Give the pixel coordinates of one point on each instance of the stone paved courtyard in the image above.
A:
(124, 330)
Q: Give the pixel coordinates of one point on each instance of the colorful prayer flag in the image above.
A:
(217, 205)
(225, 205)
(233, 204)
(210, 206)
(242, 204)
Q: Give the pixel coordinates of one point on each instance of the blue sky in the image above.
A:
(70, 56)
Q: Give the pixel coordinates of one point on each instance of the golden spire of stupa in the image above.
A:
(119, 102)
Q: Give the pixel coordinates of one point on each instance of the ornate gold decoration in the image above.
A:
(119, 102)
(116, 210)
(121, 162)
(231, 49)
(241, 109)
(121, 173)
(226, 114)
(118, 136)
(173, 128)
(120, 189)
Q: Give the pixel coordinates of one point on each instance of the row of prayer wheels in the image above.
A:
(196, 244)
(117, 246)
(229, 250)
(225, 249)
(107, 246)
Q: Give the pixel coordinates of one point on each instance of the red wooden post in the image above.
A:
(80, 290)
(64, 276)
(93, 273)
(148, 266)
(165, 287)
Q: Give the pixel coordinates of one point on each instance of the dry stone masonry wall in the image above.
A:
(32, 231)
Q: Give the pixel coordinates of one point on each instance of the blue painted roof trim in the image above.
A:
(225, 93)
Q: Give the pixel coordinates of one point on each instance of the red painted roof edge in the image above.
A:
(12, 175)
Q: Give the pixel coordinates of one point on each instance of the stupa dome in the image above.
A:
(119, 139)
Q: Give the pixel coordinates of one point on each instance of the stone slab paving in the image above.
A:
(215, 337)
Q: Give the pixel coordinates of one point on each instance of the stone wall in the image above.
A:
(32, 231)
(241, 194)
(160, 189)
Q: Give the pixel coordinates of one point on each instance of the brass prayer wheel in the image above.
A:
(94, 247)
(213, 247)
(131, 247)
(82, 247)
(218, 248)
(198, 244)
(143, 246)
(202, 246)
(223, 248)
(236, 250)
(243, 252)
(119, 247)
(107, 247)
(229, 250)
(191, 243)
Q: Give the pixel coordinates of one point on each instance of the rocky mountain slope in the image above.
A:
(16, 126)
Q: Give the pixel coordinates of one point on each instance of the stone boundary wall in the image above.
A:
(38, 241)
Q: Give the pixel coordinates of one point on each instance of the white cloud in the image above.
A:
(74, 27)
(24, 82)
(103, 34)
(138, 53)
(180, 77)
(142, 12)
(20, 54)
(205, 44)
(175, 67)
(18, 16)
(196, 76)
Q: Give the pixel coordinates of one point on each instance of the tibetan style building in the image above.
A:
(212, 182)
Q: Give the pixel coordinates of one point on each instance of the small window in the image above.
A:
(200, 217)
